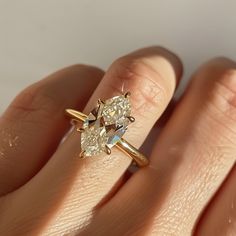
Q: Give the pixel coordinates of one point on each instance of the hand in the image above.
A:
(189, 186)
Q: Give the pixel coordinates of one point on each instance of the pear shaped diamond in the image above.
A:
(105, 125)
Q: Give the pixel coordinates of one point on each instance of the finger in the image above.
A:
(79, 185)
(193, 155)
(219, 218)
(157, 128)
(33, 125)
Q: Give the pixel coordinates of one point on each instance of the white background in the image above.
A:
(40, 36)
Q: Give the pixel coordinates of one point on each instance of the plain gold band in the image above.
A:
(123, 145)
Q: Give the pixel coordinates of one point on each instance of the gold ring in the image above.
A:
(104, 127)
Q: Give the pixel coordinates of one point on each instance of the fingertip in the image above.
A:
(171, 57)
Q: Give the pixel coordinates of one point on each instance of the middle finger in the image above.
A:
(191, 158)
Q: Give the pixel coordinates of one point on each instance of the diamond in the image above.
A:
(93, 140)
(105, 125)
(116, 110)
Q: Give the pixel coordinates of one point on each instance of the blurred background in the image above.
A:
(38, 37)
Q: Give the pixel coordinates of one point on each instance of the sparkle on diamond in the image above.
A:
(116, 110)
(105, 125)
(93, 140)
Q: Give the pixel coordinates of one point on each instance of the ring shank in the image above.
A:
(129, 149)
(122, 144)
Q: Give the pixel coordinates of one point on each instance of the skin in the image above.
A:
(189, 186)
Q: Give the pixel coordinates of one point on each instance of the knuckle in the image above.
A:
(218, 76)
(225, 87)
(228, 79)
(222, 102)
(146, 84)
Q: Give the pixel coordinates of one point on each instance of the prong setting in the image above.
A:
(127, 94)
(82, 154)
(100, 102)
(80, 130)
(108, 150)
(131, 118)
